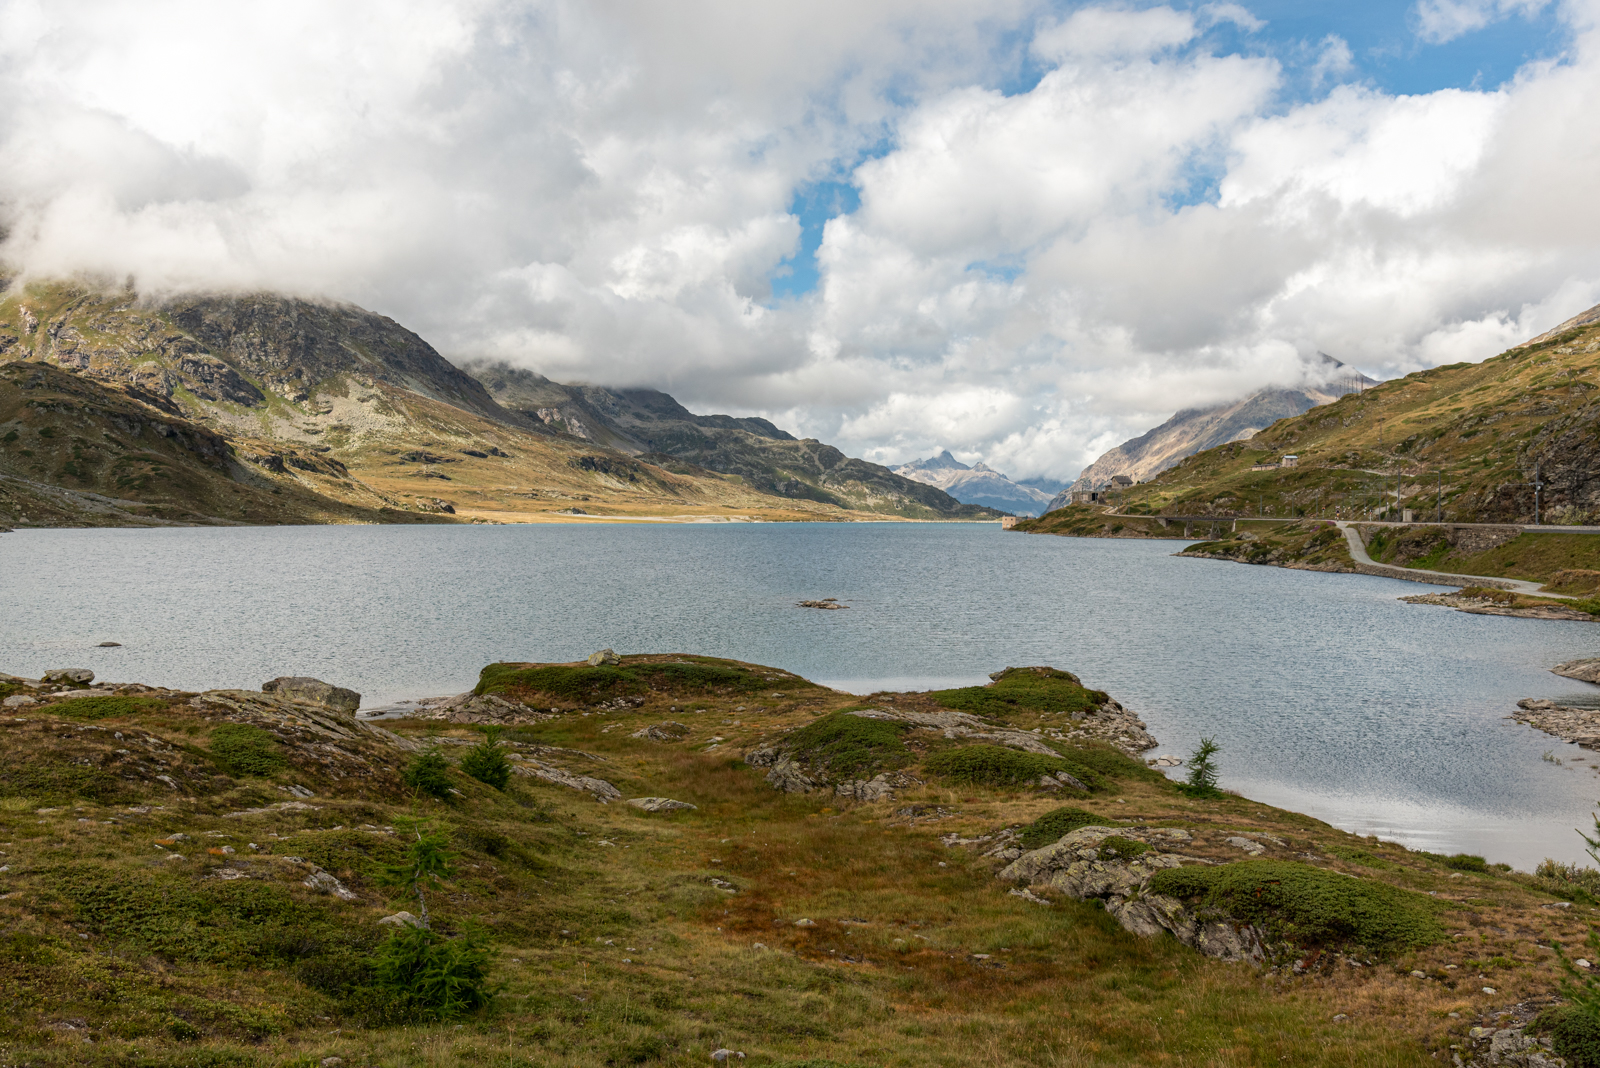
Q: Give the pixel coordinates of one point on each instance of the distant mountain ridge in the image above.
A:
(653, 426)
(979, 484)
(1194, 430)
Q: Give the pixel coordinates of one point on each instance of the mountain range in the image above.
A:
(981, 484)
(117, 410)
(1194, 430)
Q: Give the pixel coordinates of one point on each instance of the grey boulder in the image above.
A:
(83, 675)
(604, 656)
(660, 804)
(1583, 670)
(313, 691)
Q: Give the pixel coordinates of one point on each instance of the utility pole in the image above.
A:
(1537, 486)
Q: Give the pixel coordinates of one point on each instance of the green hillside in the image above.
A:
(1460, 442)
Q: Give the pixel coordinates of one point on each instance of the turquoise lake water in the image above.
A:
(1329, 696)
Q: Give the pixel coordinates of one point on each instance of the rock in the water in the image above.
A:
(313, 691)
(110, 645)
(660, 804)
(604, 656)
(826, 604)
(401, 919)
(1583, 670)
(79, 675)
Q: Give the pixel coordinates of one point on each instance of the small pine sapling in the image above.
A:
(1202, 780)
(429, 773)
(427, 864)
(487, 761)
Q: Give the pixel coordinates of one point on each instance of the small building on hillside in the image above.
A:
(1119, 482)
(1007, 522)
(1085, 497)
(1291, 461)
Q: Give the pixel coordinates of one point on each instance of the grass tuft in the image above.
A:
(850, 746)
(997, 767)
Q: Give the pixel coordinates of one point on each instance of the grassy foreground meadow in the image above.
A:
(199, 879)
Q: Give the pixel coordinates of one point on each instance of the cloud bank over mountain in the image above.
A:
(1052, 226)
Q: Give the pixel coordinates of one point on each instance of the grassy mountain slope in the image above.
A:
(322, 412)
(160, 902)
(653, 425)
(1462, 441)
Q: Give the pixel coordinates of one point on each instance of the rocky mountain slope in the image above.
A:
(655, 427)
(323, 412)
(1463, 442)
(1197, 429)
(979, 484)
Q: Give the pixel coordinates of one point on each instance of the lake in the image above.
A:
(1327, 694)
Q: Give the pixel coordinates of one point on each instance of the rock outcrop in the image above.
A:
(1581, 726)
(313, 691)
(1587, 670)
(1082, 867)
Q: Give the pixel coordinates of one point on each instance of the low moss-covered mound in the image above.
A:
(246, 750)
(851, 746)
(1037, 689)
(1000, 768)
(1307, 905)
(1056, 825)
(92, 708)
(585, 684)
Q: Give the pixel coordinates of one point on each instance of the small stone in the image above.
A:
(604, 656)
(721, 1055)
(400, 919)
(1419, 975)
(332, 1062)
(759, 945)
(1489, 990)
(804, 923)
(1341, 1016)
(109, 645)
(1580, 962)
(81, 675)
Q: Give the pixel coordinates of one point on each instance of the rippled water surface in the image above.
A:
(1328, 695)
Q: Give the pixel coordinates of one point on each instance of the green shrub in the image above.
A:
(1000, 768)
(1040, 689)
(851, 746)
(1056, 825)
(487, 762)
(1466, 862)
(1308, 905)
(1119, 848)
(1111, 762)
(239, 923)
(438, 978)
(1574, 1034)
(428, 772)
(104, 707)
(349, 853)
(1579, 884)
(246, 750)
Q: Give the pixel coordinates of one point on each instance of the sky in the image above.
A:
(1021, 230)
